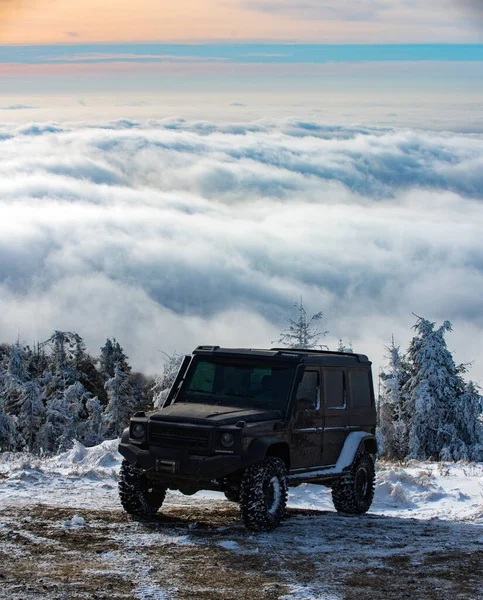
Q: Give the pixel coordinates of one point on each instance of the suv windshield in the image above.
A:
(238, 383)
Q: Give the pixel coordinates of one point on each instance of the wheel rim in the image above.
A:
(362, 483)
(273, 494)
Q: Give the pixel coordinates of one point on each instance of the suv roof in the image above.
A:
(317, 357)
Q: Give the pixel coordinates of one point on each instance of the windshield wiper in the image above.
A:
(237, 395)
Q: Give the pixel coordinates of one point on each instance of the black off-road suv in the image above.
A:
(251, 423)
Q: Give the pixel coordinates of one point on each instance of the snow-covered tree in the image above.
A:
(92, 426)
(60, 374)
(59, 357)
(54, 433)
(85, 369)
(431, 391)
(392, 417)
(164, 381)
(20, 399)
(16, 372)
(55, 394)
(142, 386)
(75, 397)
(121, 402)
(10, 438)
(467, 439)
(111, 355)
(30, 411)
(343, 348)
(301, 332)
(37, 361)
(63, 418)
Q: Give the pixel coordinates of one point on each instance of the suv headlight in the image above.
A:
(138, 430)
(227, 440)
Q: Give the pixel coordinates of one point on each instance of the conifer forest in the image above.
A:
(55, 392)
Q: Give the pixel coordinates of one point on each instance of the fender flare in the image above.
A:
(257, 449)
(353, 446)
(125, 436)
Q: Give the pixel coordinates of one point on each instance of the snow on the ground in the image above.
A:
(87, 477)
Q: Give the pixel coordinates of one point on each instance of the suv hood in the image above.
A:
(207, 414)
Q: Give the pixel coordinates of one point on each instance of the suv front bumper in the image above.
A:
(181, 464)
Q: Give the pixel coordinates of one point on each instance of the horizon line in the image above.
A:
(236, 52)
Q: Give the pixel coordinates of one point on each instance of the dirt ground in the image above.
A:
(202, 552)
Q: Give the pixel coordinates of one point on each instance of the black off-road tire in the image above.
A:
(354, 492)
(138, 495)
(232, 494)
(263, 494)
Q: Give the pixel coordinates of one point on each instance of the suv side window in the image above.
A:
(309, 390)
(335, 389)
(360, 388)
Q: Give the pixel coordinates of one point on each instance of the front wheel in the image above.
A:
(138, 495)
(354, 491)
(263, 494)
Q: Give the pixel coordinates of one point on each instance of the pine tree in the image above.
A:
(75, 397)
(112, 354)
(64, 418)
(37, 361)
(21, 399)
(92, 426)
(121, 403)
(13, 377)
(16, 373)
(142, 386)
(467, 440)
(85, 369)
(164, 382)
(432, 391)
(10, 438)
(30, 411)
(343, 348)
(59, 341)
(53, 436)
(392, 406)
(301, 334)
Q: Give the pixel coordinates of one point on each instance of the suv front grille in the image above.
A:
(169, 436)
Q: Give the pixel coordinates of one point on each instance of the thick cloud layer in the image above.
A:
(168, 234)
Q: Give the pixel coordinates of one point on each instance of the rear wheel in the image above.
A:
(263, 494)
(354, 491)
(138, 495)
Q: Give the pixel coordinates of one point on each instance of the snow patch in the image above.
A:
(87, 478)
(229, 545)
(81, 460)
(304, 592)
(149, 539)
(76, 521)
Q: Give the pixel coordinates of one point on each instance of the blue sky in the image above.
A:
(250, 68)
(239, 53)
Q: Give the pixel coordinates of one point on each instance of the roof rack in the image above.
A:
(280, 352)
(303, 351)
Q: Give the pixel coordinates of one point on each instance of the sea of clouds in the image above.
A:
(171, 233)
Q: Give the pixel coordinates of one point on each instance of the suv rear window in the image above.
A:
(334, 386)
(360, 388)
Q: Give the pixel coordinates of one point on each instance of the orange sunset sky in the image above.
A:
(366, 21)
